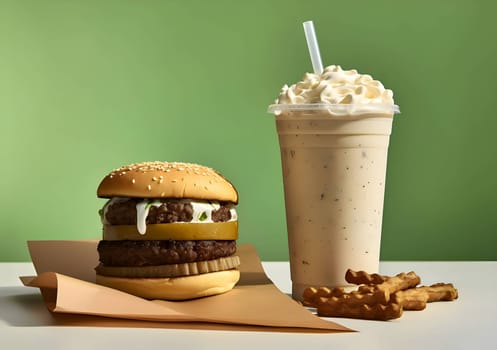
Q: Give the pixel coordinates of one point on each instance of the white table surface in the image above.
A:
(467, 323)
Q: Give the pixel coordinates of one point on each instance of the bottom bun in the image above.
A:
(174, 288)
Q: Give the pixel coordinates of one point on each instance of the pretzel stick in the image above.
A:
(362, 277)
(313, 297)
(416, 298)
(399, 282)
(336, 308)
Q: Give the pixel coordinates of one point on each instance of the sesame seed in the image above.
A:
(163, 194)
(133, 180)
(154, 178)
(149, 187)
(173, 181)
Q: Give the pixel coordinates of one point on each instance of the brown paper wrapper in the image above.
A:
(66, 279)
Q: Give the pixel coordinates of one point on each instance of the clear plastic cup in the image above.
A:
(334, 161)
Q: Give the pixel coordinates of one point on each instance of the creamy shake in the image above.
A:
(334, 132)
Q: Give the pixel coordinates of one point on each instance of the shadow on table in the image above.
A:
(23, 307)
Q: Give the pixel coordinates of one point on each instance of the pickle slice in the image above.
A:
(172, 270)
(177, 231)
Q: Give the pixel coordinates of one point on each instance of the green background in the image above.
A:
(87, 86)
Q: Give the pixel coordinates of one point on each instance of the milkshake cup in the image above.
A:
(334, 182)
(334, 161)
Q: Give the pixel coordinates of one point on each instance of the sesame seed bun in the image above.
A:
(167, 180)
(178, 288)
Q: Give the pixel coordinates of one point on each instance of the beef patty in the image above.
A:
(124, 212)
(151, 253)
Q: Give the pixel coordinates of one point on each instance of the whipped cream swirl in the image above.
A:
(336, 86)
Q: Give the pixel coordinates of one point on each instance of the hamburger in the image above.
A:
(169, 231)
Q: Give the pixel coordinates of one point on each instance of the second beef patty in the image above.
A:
(151, 253)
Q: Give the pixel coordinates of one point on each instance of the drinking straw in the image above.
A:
(312, 44)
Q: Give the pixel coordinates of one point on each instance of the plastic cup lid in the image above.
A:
(335, 108)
